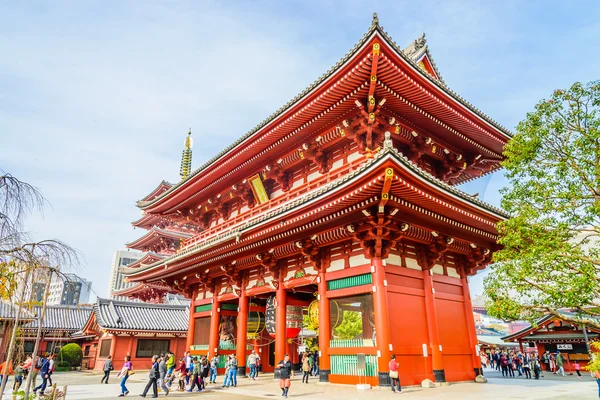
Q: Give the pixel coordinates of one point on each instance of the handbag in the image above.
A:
(394, 374)
(130, 372)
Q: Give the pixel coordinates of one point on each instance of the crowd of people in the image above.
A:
(516, 363)
(42, 366)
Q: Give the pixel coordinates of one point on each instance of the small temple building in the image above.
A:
(340, 208)
(553, 334)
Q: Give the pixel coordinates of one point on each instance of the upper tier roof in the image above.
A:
(431, 91)
(387, 153)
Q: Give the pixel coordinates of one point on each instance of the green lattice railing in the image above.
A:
(351, 343)
(200, 347)
(227, 345)
(351, 281)
(348, 365)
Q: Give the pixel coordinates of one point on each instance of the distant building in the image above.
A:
(117, 281)
(69, 289)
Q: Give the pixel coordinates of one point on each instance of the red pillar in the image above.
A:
(113, 345)
(242, 330)
(215, 319)
(324, 329)
(280, 324)
(432, 327)
(189, 341)
(382, 322)
(471, 325)
(130, 346)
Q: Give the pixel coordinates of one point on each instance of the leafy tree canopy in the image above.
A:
(550, 257)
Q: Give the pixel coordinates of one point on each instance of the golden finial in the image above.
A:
(189, 142)
(186, 157)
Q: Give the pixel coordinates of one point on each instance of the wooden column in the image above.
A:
(432, 327)
(215, 319)
(189, 341)
(324, 329)
(130, 346)
(382, 322)
(470, 324)
(280, 323)
(113, 345)
(242, 329)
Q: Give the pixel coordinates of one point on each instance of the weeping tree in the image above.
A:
(550, 258)
(20, 255)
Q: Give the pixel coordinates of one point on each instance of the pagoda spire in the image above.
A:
(186, 157)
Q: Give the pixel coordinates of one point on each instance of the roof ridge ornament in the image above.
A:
(186, 157)
(420, 42)
(375, 21)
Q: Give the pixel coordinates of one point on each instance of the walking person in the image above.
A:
(536, 367)
(126, 371)
(162, 374)
(195, 375)
(306, 367)
(527, 366)
(181, 372)
(504, 365)
(597, 376)
(108, 366)
(315, 363)
(285, 374)
(19, 372)
(394, 375)
(152, 379)
(577, 369)
(546, 361)
(559, 364)
(214, 364)
(188, 365)
(252, 364)
(50, 368)
(45, 368)
(5, 371)
(231, 372)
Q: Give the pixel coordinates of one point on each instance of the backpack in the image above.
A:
(39, 363)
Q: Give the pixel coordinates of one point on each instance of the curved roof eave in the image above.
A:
(379, 158)
(374, 30)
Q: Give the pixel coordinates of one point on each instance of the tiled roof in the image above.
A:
(546, 318)
(375, 27)
(176, 300)
(62, 318)
(132, 316)
(387, 151)
(9, 311)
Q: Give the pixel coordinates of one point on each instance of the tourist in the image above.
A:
(181, 372)
(50, 368)
(307, 364)
(546, 361)
(536, 366)
(19, 372)
(195, 375)
(162, 374)
(152, 379)
(559, 364)
(214, 364)
(170, 364)
(516, 360)
(27, 365)
(552, 363)
(126, 371)
(285, 374)
(188, 365)
(108, 366)
(597, 376)
(231, 372)
(394, 374)
(5, 372)
(44, 369)
(527, 366)
(205, 371)
(315, 363)
(504, 365)
(497, 356)
(577, 369)
(252, 364)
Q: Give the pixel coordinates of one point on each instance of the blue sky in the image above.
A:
(96, 97)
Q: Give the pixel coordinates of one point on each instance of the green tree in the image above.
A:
(350, 327)
(72, 354)
(550, 257)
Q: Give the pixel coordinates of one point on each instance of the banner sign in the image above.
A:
(258, 189)
(567, 346)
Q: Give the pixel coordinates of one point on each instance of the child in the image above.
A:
(18, 377)
(577, 369)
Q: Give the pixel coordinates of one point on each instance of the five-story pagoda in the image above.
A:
(341, 203)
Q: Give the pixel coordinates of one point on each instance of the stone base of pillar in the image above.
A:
(384, 379)
(241, 372)
(440, 375)
(324, 375)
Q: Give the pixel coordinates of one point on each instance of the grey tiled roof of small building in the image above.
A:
(9, 311)
(62, 318)
(133, 316)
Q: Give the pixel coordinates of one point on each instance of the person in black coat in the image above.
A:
(152, 379)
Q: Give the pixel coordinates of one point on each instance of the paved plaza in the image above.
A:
(84, 385)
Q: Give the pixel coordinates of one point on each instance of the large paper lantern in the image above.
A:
(293, 319)
(335, 313)
(256, 324)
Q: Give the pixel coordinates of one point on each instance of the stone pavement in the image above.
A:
(85, 385)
